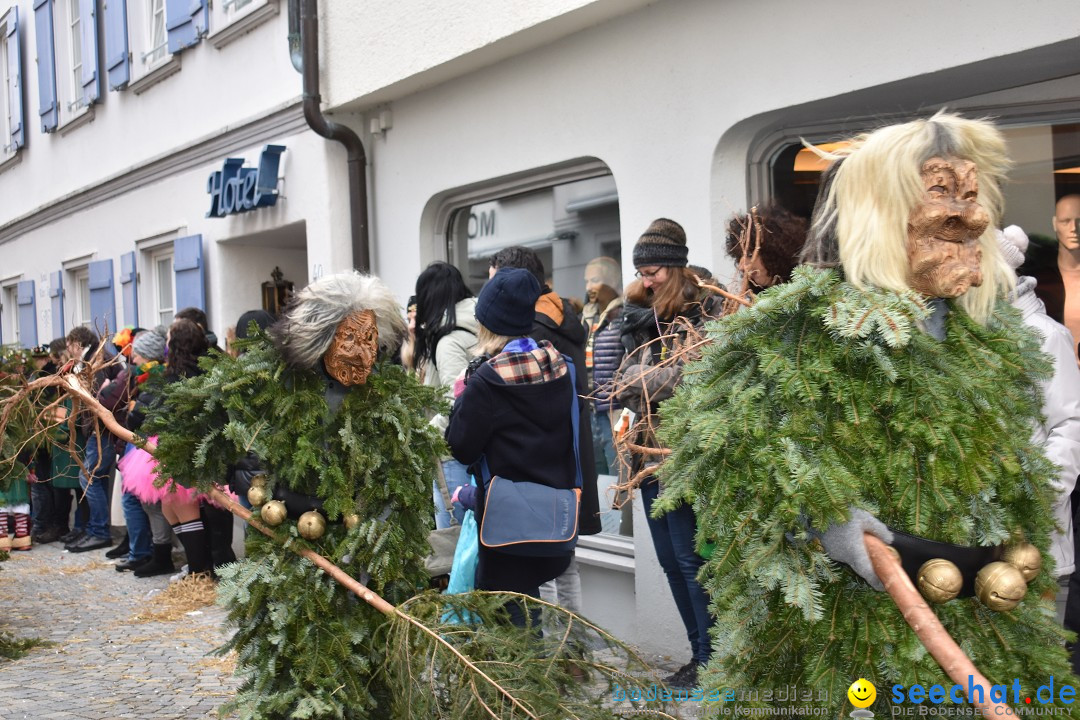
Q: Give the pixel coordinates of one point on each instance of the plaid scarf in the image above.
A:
(522, 365)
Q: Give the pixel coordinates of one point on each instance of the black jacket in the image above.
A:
(524, 430)
(568, 337)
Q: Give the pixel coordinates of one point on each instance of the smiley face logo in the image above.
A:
(862, 693)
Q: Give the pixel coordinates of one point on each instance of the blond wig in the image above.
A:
(861, 218)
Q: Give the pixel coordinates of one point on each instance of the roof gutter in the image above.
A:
(356, 156)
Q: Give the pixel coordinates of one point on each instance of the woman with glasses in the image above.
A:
(660, 305)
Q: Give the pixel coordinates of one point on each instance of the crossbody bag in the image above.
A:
(527, 518)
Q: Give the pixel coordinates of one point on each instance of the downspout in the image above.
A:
(307, 12)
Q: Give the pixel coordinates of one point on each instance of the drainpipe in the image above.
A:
(357, 158)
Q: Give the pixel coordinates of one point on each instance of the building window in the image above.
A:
(567, 225)
(157, 39)
(79, 309)
(1046, 167)
(164, 289)
(231, 19)
(11, 314)
(68, 37)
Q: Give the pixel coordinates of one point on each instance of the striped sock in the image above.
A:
(4, 515)
(22, 525)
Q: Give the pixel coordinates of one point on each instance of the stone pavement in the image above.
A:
(103, 665)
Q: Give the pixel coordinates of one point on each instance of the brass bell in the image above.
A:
(259, 480)
(1026, 558)
(274, 513)
(256, 495)
(1000, 586)
(311, 525)
(940, 580)
(351, 520)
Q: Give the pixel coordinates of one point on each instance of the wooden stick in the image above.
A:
(931, 632)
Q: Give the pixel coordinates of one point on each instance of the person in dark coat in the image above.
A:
(515, 411)
(555, 321)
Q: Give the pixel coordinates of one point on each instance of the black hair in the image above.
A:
(438, 289)
(82, 335)
(195, 315)
(517, 256)
(187, 342)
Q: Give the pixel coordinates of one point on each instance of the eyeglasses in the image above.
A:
(644, 275)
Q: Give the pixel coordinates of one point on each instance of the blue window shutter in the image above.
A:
(200, 15)
(117, 55)
(56, 294)
(102, 299)
(91, 78)
(17, 137)
(186, 22)
(46, 65)
(129, 276)
(27, 314)
(190, 273)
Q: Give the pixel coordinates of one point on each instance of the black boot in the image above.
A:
(160, 562)
(196, 544)
(219, 529)
(120, 550)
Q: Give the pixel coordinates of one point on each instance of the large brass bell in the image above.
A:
(940, 580)
(256, 495)
(274, 513)
(1000, 586)
(1026, 558)
(311, 525)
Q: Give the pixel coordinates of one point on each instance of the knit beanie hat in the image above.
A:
(663, 244)
(506, 303)
(150, 345)
(1013, 243)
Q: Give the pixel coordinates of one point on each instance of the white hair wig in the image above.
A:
(861, 217)
(305, 332)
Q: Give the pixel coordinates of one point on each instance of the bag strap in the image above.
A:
(440, 480)
(575, 424)
(575, 418)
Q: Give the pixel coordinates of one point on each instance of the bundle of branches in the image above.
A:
(36, 410)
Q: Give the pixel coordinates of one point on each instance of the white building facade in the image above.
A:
(126, 111)
(563, 125)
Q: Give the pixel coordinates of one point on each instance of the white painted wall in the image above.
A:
(215, 90)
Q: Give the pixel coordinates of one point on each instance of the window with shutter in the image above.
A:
(56, 299)
(48, 103)
(12, 122)
(27, 313)
(190, 273)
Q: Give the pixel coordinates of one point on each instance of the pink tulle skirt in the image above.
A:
(138, 472)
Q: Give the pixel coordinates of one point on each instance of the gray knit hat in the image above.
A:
(150, 345)
(663, 244)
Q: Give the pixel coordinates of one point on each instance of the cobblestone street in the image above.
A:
(104, 662)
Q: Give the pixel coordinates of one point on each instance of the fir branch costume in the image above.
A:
(823, 397)
(306, 647)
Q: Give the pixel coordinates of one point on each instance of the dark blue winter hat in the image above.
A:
(506, 305)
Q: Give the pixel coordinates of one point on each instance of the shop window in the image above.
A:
(1046, 167)
(566, 225)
